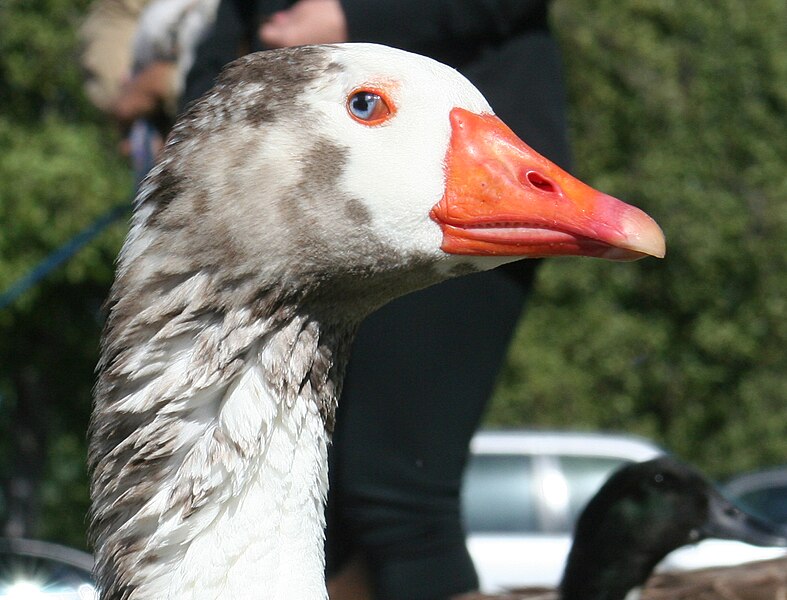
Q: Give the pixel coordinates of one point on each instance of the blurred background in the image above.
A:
(677, 107)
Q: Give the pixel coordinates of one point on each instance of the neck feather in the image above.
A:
(208, 450)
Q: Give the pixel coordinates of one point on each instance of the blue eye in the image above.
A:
(368, 107)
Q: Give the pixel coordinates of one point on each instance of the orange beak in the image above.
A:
(503, 198)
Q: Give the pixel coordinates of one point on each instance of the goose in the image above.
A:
(307, 188)
(643, 512)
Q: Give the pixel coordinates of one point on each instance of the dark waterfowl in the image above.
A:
(643, 512)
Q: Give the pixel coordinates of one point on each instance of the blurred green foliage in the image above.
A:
(59, 170)
(678, 107)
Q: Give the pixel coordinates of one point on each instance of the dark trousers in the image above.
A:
(420, 375)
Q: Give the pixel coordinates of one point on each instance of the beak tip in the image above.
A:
(643, 234)
(659, 251)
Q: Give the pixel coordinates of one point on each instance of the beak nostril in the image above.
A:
(540, 182)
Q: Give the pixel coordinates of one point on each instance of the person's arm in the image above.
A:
(421, 25)
(443, 29)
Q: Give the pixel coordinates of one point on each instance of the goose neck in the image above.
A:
(210, 463)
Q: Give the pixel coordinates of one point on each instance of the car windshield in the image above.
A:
(498, 494)
(522, 494)
(27, 577)
(770, 503)
(584, 476)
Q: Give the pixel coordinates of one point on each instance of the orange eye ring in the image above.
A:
(369, 106)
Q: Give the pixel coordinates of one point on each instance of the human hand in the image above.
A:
(144, 93)
(305, 22)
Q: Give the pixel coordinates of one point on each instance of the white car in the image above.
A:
(36, 570)
(523, 491)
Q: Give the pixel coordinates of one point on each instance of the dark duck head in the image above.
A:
(642, 513)
(310, 186)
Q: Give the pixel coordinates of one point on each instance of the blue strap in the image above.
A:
(62, 254)
(142, 139)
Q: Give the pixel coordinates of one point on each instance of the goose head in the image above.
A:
(643, 512)
(307, 188)
(359, 163)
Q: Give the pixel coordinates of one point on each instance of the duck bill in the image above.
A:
(503, 198)
(727, 521)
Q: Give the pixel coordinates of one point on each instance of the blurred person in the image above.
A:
(136, 54)
(106, 37)
(423, 367)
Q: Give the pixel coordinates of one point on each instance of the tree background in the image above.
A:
(678, 107)
(58, 172)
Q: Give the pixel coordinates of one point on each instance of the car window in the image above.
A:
(770, 503)
(584, 476)
(41, 578)
(498, 494)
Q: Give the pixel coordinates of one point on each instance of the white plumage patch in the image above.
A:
(259, 465)
(398, 166)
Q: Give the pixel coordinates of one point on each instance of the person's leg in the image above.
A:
(419, 378)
